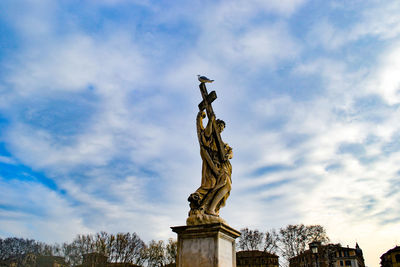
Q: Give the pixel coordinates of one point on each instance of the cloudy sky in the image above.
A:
(98, 101)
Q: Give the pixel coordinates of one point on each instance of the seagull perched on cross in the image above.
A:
(204, 79)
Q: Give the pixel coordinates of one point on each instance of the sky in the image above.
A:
(98, 101)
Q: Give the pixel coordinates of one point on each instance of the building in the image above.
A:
(32, 260)
(98, 260)
(255, 258)
(94, 259)
(391, 258)
(331, 255)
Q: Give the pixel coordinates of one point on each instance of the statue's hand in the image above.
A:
(228, 151)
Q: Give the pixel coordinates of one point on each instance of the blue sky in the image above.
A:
(98, 102)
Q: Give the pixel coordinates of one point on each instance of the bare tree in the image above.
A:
(45, 249)
(250, 239)
(127, 248)
(294, 239)
(257, 240)
(57, 250)
(81, 245)
(119, 248)
(71, 254)
(84, 244)
(155, 254)
(271, 239)
(17, 248)
(102, 243)
(122, 247)
(171, 251)
(288, 242)
(317, 233)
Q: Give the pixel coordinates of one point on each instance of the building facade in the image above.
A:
(331, 255)
(255, 258)
(391, 258)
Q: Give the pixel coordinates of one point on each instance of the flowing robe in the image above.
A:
(216, 175)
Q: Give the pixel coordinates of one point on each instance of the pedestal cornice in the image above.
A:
(205, 229)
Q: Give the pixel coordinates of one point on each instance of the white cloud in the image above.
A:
(39, 148)
(142, 117)
(38, 213)
(242, 10)
(114, 69)
(32, 19)
(374, 19)
(76, 62)
(386, 81)
(249, 47)
(327, 35)
(7, 160)
(263, 45)
(352, 198)
(378, 19)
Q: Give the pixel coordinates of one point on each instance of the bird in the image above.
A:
(204, 79)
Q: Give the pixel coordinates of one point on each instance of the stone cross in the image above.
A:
(206, 104)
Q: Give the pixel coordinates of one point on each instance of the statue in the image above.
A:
(216, 181)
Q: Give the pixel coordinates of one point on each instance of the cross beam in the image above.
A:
(206, 104)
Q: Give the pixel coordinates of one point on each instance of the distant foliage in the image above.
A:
(158, 254)
(287, 242)
(14, 247)
(121, 248)
(250, 239)
(171, 251)
(155, 254)
(294, 239)
(257, 240)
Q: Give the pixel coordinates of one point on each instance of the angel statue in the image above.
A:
(216, 182)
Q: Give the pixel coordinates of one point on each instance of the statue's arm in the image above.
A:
(199, 124)
(203, 135)
(209, 128)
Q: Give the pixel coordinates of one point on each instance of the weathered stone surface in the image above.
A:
(209, 245)
(226, 255)
(198, 217)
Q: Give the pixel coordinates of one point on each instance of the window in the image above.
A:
(348, 263)
(341, 263)
(397, 256)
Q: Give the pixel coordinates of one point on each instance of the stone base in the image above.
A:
(206, 245)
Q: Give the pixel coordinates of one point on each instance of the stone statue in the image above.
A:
(216, 181)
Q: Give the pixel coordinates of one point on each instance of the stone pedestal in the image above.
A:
(206, 245)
